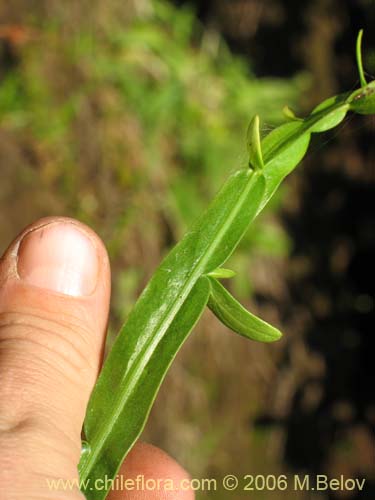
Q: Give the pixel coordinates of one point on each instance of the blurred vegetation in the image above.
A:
(319, 412)
(130, 119)
(130, 126)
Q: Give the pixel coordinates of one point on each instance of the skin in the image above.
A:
(51, 347)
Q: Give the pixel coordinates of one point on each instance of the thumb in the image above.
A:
(54, 296)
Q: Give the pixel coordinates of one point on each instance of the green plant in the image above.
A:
(120, 110)
(187, 281)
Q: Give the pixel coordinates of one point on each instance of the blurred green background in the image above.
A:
(128, 115)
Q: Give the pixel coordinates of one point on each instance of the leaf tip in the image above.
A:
(253, 144)
(290, 115)
(361, 72)
(222, 273)
(275, 336)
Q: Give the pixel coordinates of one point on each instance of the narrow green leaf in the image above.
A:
(285, 146)
(328, 114)
(120, 404)
(253, 144)
(237, 318)
(361, 72)
(177, 293)
(222, 273)
(159, 323)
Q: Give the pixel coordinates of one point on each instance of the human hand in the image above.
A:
(54, 301)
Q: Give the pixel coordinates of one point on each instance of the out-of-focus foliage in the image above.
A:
(129, 115)
(135, 149)
(133, 125)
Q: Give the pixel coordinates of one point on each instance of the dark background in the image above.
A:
(332, 228)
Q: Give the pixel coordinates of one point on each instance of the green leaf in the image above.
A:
(285, 146)
(222, 273)
(159, 323)
(361, 72)
(237, 318)
(128, 385)
(183, 284)
(253, 144)
(290, 115)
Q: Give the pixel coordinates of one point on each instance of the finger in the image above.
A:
(54, 296)
(150, 474)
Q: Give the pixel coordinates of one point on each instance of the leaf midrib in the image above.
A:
(146, 353)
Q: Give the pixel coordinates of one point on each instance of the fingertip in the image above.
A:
(153, 475)
(56, 258)
(61, 242)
